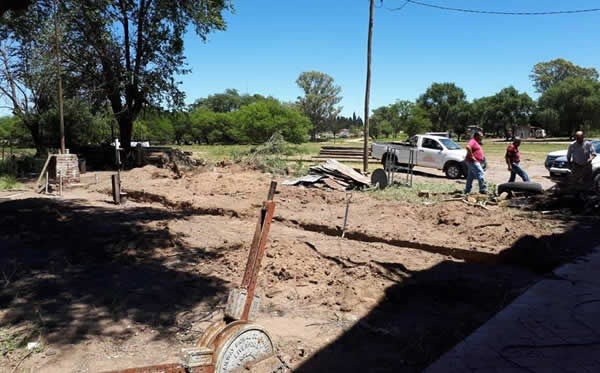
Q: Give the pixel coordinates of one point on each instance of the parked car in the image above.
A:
(559, 168)
(428, 151)
(552, 156)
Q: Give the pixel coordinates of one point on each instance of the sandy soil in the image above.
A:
(105, 287)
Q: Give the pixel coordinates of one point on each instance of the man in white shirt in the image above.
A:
(580, 156)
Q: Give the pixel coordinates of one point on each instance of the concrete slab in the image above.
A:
(553, 327)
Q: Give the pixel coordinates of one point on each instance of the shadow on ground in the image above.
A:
(428, 312)
(73, 269)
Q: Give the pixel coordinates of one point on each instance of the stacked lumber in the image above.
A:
(342, 153)
(332, 175)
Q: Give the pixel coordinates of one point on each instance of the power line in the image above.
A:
(476, 11)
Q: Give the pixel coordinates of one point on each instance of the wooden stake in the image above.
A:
(348, 198)
(116, 189)
(47, 175)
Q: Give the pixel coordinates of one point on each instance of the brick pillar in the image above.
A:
(67, 165)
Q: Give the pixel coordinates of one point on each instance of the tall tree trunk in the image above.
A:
(36, 136)
(368, 89)
(125, 131)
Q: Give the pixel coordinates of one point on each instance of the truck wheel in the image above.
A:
(453, 170)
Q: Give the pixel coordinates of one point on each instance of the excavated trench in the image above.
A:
(456, 253)
(184, 206)
(507, 257)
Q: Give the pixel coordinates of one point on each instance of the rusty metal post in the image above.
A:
(272, 190)
(257, 248)
(269, 206)
(256, 238)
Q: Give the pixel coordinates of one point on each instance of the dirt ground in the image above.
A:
(104, 287)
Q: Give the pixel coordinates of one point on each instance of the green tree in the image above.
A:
(547, 74)
(13, 130)
(206, 126)
(502, 112)
(320, 100)
(259, 121)
(418, 121)
(402, 110)
(82, 125)
(28, 67)
(572, 103)
(133, 49)
(443, 102)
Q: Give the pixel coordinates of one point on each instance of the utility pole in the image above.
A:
(368, 89)
(58, 71)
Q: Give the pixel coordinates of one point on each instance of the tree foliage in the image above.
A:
(226, 102)
(28, 66)
(391, 120)
(129, 51)
(502, 112)
(572, 104)
(320, 100)
(418, 121)
(444, 103)
(547, 74)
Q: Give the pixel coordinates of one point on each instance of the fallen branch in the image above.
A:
(21, 361)
(475, 205)
(489, 225)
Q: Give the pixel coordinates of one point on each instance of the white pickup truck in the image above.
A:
(428, 151)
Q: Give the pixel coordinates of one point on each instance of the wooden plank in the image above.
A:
(37, 184)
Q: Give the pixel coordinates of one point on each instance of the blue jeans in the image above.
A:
(517, 170)
(475, 172)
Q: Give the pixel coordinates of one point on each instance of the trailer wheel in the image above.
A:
(379, 178)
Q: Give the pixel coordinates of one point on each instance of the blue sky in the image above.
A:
(269, 43)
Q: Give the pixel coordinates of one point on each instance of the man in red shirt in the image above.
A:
(513, 158)
(473, 160)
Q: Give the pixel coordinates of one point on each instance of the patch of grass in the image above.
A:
(406, 194)
(221, 152)
(9, 182)
(11, 342)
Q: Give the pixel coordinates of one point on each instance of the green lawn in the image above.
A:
(534, 151)
(220, 152)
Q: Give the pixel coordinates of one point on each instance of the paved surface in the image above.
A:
(553, 327)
